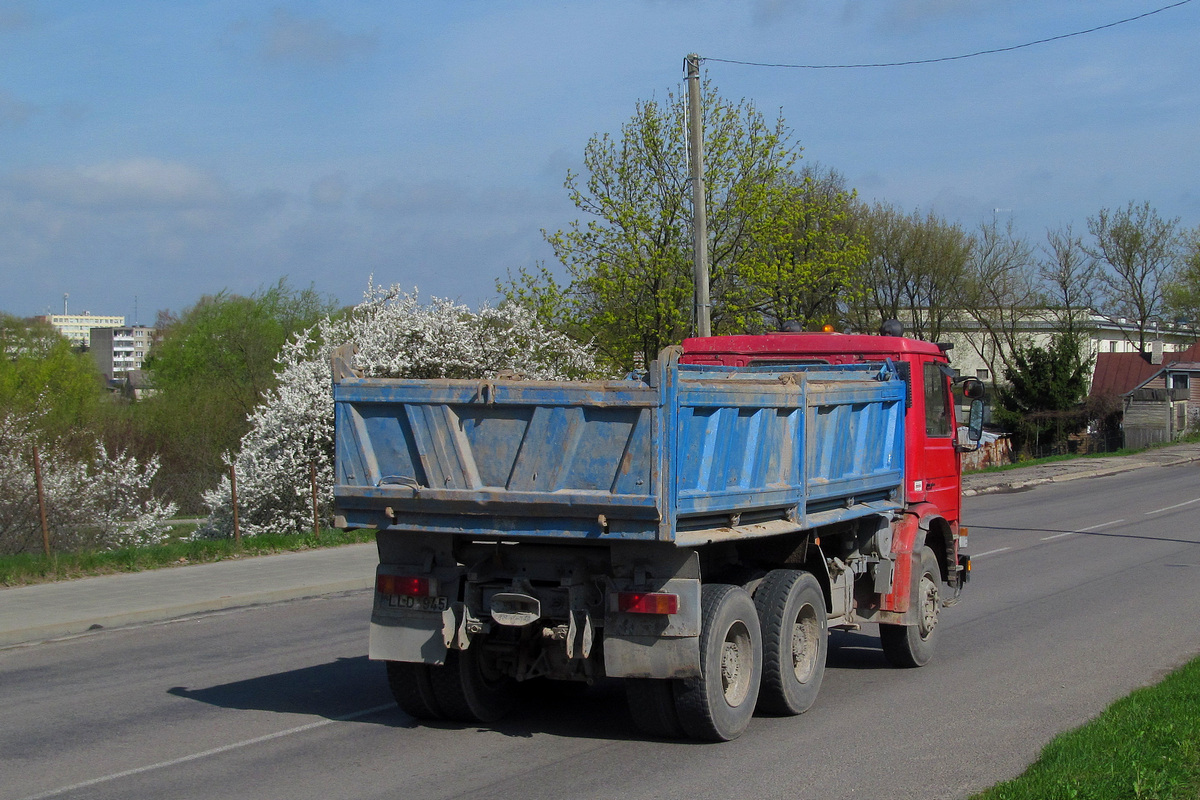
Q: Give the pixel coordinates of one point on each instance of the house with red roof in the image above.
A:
(1159, 392)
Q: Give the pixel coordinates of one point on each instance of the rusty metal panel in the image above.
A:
(520, 458)
(691, 448)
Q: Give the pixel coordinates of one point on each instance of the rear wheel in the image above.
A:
(718, 704)
(467, 688)
(913, 645)
(791, 610)
(413, 689)
(652, 706)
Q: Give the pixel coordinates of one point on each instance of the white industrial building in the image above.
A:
(78, 327)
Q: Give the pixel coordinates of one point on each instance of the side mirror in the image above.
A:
(975, 421)
(972, 388)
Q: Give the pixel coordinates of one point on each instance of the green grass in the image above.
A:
(1125, 451)
(1146, 745)
(28, 568)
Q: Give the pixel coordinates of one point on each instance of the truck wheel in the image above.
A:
(913, 645)
(652, 706)
(791, 611)
(717, 705)
(413, 690)
(468, 689)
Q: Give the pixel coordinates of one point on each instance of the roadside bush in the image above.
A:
(100, 503)
(396, 336)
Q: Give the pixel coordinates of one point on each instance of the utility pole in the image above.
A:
(699, 210)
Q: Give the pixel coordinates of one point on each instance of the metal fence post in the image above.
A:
(41, 496)
(237, 531)
(312, 478)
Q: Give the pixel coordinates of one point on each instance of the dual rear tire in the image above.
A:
(464, 689)
(765, 653)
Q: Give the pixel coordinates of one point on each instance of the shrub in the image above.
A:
(396, 336)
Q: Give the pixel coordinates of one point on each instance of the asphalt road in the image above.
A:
(1082, 592)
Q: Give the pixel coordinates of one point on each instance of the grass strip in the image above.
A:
(1190, 438)
(28, 568)
(1146, 745)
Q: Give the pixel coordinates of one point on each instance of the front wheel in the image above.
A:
(717, 705)
(913, 645)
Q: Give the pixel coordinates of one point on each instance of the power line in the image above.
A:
(952, 58)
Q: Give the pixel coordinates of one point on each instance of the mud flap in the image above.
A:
(653, 645)
(418, 640)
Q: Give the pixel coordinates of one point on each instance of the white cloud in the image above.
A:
(136, 182)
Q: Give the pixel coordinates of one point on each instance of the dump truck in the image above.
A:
(694, 530)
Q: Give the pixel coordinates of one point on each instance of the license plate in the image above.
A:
(418, 603)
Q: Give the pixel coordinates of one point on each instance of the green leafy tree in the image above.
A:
(44, 377)
(805, 259)
(629, 283)
(1045, 386)
(214, 365)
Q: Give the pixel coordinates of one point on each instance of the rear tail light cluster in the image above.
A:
(647, 603)
(405, 585)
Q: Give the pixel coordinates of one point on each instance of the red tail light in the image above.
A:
(647, 603)
(405, 585)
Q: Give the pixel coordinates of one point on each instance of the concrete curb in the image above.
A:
(36, 634)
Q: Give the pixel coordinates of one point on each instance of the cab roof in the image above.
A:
(816, 344)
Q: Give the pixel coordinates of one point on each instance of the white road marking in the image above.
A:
(990, 553)
(1170, 508)
(1099, 526)
(1083, 530)
(215, 751)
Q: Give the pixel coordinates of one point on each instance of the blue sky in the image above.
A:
(152, 152)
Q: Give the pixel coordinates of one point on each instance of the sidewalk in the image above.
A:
(50, 610)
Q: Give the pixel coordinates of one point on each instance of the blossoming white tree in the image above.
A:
(99, 503)
(395, 336)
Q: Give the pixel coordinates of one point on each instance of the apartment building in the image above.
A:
(78, 327)
(121, 349)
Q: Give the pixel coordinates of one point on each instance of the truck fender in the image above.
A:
(909, 533)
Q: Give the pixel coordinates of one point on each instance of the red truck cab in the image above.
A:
(933, 471)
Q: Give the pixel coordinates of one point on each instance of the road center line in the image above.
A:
(990, 552)
(215, 751)
(1099, 526)
(1084, 530)
(1170, 508)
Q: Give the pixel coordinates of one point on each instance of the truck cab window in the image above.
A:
(937, 402)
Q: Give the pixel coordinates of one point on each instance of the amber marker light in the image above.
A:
(647, 603)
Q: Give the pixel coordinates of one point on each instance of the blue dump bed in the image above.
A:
(692, 454)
